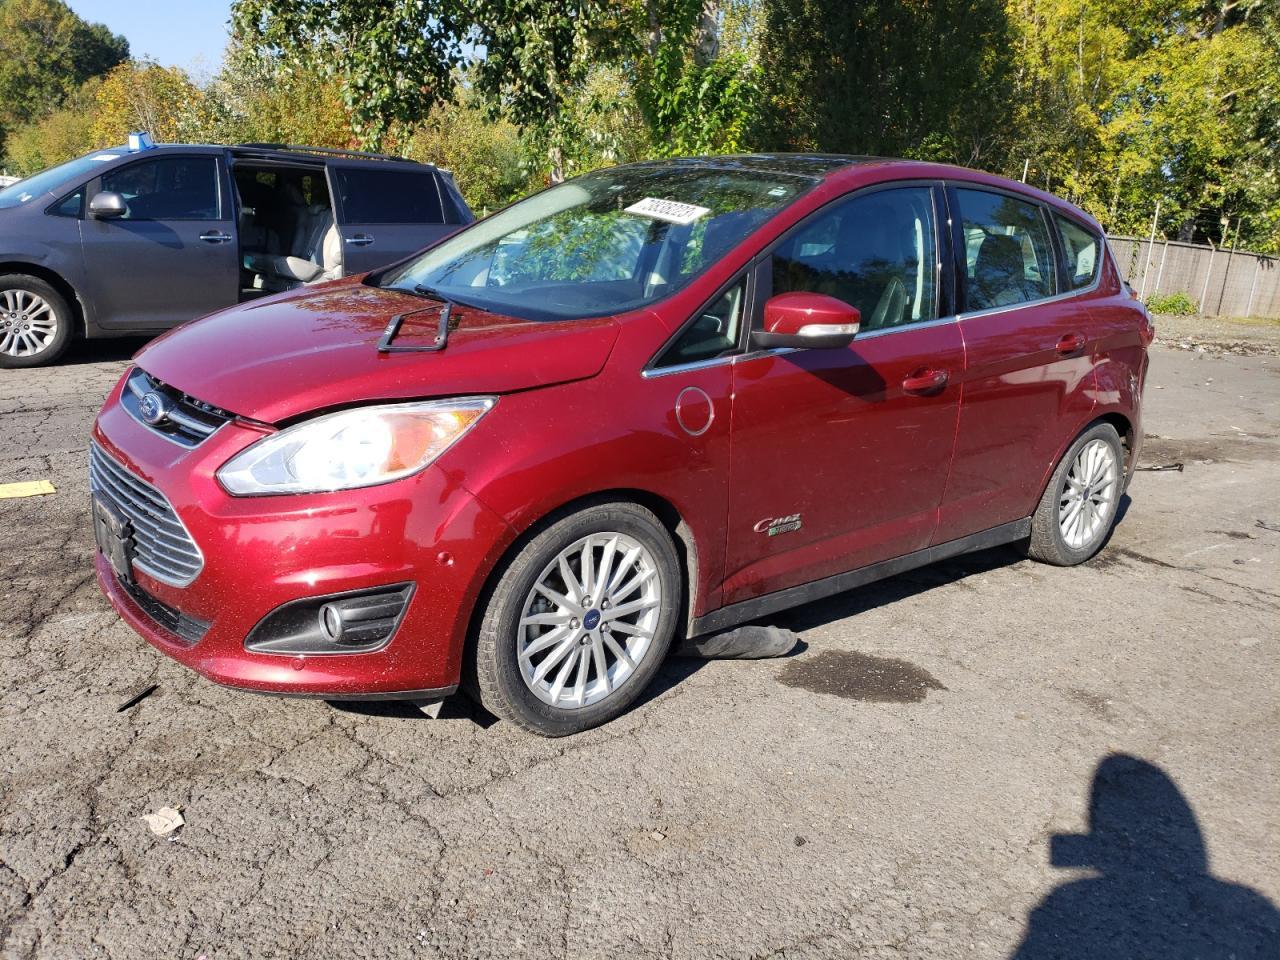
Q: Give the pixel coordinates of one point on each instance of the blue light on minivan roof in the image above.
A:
(140, 141)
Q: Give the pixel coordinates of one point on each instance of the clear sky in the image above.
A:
(187, 33)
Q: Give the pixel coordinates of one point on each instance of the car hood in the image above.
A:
(279, 358)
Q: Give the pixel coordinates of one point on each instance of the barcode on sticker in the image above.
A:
(672, 211)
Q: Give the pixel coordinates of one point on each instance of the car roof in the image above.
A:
(816, 165)
(289, 151)
(824, 166)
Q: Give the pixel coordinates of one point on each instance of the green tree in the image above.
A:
(260, 97)
(146, 96)
(65, 133)
(487, 157)
(46, 54)
(392, 59)
(537, 57)
(699, 94)
(886, 77)
(1118, 106)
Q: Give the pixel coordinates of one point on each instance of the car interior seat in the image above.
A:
(314, 253)
(999, 274)
(865, 266)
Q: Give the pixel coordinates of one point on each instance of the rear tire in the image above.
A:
(1079, 506)
(578, 621)
(35, 322)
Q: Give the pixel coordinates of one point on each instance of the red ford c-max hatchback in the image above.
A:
(663, 398)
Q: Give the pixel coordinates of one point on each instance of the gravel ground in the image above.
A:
(903, 787)
(1219, 335)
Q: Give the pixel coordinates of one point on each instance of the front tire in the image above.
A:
(35, 322)
(578, 620)
(1079, 506)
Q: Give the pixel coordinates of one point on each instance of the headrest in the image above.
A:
(998, 254)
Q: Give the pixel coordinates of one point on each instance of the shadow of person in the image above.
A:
(1154, 895)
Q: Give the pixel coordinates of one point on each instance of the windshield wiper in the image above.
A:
(422, 290)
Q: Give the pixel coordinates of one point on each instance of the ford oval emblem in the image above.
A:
(154, 408)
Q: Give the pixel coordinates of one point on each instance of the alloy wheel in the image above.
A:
(28, 324)
(589, 620)
(1088, 495)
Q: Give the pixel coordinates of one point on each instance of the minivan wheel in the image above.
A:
(579, 620)
(1079, 505)
(35, 322)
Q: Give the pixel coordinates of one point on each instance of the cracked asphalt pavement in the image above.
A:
(898, 788)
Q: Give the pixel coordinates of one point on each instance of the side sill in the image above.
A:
(753, 609)
(428, 695)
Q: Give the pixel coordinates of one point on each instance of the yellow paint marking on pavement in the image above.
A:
(32, 488)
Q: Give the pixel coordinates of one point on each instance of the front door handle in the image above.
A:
(216, 236)
(1069, 345)
(360, 240)
(926, 382)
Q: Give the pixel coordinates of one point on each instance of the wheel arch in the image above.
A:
(678, 529)
(1128, 434)
(58, 282)
(1123, 426)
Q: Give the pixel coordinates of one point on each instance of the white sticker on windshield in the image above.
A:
(671, 211)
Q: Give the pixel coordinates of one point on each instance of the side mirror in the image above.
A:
(807, 320)
(107, 205)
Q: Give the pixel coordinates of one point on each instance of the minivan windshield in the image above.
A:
(38, 184)
(603, 243)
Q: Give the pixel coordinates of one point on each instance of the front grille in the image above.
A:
(162, 547)
(186, 420)
(187, 629)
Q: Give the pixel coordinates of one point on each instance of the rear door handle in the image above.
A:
(360, 240)
(216, 236)
(1071, 344)
(926, 382)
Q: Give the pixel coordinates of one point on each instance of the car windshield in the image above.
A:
(37, 185)
(603, 243)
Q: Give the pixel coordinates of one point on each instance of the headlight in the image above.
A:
(354, 448)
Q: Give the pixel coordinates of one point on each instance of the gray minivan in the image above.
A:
(138, 239)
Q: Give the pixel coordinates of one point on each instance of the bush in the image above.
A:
(1175, 303)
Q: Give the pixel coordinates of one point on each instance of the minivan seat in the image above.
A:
(315, 253)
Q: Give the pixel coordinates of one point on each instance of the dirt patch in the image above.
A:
(1219, 335)
(1097, 704)
(860, 676)
(1239, 448)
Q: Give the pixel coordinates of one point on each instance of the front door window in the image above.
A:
(875, 252)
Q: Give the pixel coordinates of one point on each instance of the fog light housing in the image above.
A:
(360, 621)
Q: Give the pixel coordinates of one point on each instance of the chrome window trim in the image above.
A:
(744, 351)
(1047, 213)
(652, 373)
(1022, 305)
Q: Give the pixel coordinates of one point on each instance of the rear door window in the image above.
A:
(1007, 251)
(388, 196)
(1081, 248)
(167, 188)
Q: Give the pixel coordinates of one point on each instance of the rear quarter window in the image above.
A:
(1083, 252)
(389, 196)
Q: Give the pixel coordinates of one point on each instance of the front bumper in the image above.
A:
(263, 552)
